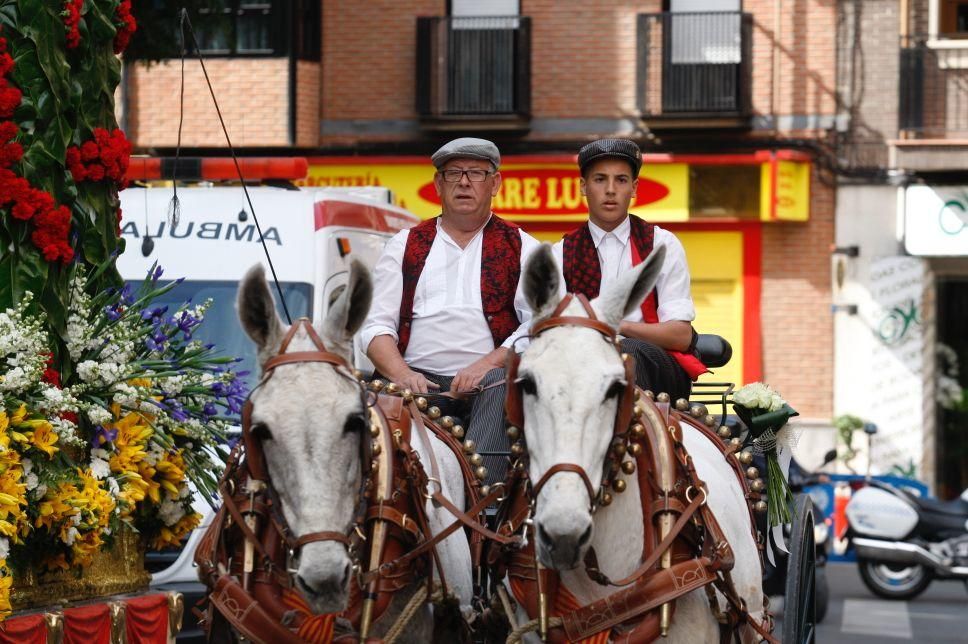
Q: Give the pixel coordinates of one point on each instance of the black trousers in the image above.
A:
(484, 415)
(656, 370)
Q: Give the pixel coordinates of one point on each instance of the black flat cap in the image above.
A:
(466, 148)
(622, 149)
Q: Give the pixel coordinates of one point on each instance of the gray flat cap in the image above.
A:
(466, 148)
(622, 149)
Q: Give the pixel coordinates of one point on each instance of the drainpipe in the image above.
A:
(775, 56)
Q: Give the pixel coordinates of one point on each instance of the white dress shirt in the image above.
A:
(448, 331)
(615, 256)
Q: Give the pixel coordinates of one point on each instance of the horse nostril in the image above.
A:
(543, 536)
(585, 536)
(346, 575)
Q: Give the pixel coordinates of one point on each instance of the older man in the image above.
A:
(447, 303)
(659, 335)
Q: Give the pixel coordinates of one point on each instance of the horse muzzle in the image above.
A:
(323, 576)
(561, 539)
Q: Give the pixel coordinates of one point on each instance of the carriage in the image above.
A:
(399, 517)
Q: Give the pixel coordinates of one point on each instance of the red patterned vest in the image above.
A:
(500, 271)
(583, 274)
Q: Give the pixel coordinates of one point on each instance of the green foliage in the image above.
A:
(846, 424)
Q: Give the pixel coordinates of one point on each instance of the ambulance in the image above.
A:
(310, 235)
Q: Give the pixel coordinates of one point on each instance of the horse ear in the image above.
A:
(348, 312)
(257, 312)
(541, 282)
(631, 289)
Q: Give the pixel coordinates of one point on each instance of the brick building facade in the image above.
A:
(734, 104)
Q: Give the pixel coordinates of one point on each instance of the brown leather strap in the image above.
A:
(565, 467)
(591, 564)
(384, 512)
(297, 357)
(573, 320)
(322, 535)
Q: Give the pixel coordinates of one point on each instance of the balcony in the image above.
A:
(474, 72)
(933, 88)
(695, 69)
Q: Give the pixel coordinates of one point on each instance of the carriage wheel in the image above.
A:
(799, 619)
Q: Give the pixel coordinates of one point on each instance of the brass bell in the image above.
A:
(374, 430)
(377, 385)
(618, 485)
(760, 506)
(357, 374)
(392, 388)
(752, 473)
(709, 420)
(480, 471)
(485, 490)
(682, 404)
(757, 485)
(745, 457)
(635, 449)
(433, 413)
(662, 397)
(697, 411)
(724, 432)
(735, 441)
(519, 465)
(606, 499)
(628, 467)
(637, 430)
(421, 403)
(407, 395)
(374, 465)
(457, 431)
(648, 394)
(470, 446)
(638, 409)
(618, 449)
(376, 448)
(513, 432)
(446, 422)
(476, 459)
(517, 450)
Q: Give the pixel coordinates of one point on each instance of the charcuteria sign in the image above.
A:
(936, 221)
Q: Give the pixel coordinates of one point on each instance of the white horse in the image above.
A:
(311, 420)
(570, 378)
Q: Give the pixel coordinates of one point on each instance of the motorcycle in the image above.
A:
(904, 541)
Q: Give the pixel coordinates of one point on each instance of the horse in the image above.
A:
(313, 421)
(572, 385)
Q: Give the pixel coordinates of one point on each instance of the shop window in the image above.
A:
(724, 191)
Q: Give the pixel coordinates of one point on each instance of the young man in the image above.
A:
(447, 305)
(660, 335)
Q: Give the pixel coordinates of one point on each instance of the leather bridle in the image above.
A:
(255, 457)
(514, 402)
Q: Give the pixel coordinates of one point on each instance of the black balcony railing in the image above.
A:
(695, 64)
(474, 66)
(933, 88)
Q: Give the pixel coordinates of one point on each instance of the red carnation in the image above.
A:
(9, 100)
(125, 24)
(72, 16)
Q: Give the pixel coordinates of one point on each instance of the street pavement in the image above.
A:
(857, 616)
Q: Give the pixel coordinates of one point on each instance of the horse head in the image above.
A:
(571, 379)
(310, 419)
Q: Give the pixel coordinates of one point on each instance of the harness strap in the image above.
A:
(565, 467)
(383, 512)
(591, 560)
(323, 535)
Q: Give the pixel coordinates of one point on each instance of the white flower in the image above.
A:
(99, 468)
(88, 371)
(4, 548)
(170, 511)
(40, 491)
(757, 395)
(99, 415)
(31, 481)
(72, 534)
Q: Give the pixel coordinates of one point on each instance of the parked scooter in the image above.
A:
(904, 541)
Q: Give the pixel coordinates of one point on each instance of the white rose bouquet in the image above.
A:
(765, 413)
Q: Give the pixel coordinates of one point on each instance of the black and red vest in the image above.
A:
(500, 271)
(583, 274)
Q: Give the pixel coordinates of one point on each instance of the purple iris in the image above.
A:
(102, 436)
(210, 409)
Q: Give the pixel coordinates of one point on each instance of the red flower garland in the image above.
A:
(72, 16)
(126, 25)
(106, 156)
(52, 223)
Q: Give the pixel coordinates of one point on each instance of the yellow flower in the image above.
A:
(43, 438)
(19, 415)
(4, 421)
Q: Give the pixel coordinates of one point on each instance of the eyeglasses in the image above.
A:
(454, 175)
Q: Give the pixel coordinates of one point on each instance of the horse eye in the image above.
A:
(261, 432)
(354, 424)
(615, 390)
(527, 385)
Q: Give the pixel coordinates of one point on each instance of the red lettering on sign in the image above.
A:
(548, 192)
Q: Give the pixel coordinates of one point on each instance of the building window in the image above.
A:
(952, 18)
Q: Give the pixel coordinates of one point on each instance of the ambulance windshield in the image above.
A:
(221, 326)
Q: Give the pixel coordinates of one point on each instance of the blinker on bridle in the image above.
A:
(514, 408)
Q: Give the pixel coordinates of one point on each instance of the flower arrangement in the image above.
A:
(126, 25)
(72, 18)
(115, 441)
(765, 412)
(106, 156)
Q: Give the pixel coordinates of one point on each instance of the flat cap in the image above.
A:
(466, 148)
(622, 149)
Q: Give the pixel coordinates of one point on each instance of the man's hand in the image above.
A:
(415, 382)
(471, 375)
